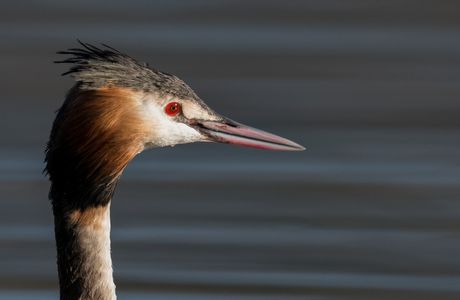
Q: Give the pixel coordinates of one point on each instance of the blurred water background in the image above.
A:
(370, 211)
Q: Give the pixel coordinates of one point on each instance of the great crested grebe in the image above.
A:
(117, 108)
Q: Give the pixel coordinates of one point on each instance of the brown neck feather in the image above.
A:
(95, 134)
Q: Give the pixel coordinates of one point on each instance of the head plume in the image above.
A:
(95, 67)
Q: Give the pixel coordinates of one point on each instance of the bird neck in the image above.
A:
(83, 253)
(94, 137)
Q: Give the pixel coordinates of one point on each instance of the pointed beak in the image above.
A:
(231, 132)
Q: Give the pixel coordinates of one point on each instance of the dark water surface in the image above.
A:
(370, 211)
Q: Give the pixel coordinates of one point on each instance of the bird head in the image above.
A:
(119, 107)
(159, 107)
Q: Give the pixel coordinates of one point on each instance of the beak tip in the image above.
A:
(297, 147)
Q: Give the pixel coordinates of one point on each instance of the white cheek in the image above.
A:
(165, 131)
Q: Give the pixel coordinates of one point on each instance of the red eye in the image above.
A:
(173, 108)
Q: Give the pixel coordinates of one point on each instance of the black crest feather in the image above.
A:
(95, 67)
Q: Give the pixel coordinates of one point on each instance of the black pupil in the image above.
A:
(174, 107)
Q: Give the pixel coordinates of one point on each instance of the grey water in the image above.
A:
(369, 211)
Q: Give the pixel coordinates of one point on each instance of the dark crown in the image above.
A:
(94, 67)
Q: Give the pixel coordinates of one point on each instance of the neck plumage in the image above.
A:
(89, 147)
(83, 253)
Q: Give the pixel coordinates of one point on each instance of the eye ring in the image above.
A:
(173, 109)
